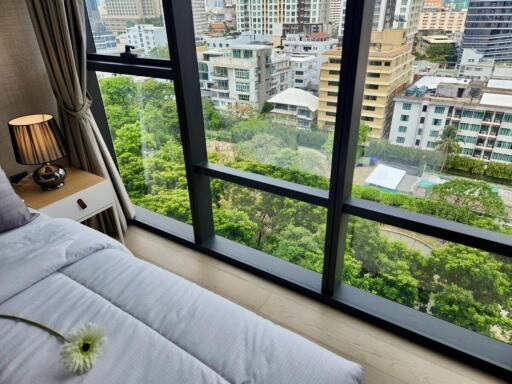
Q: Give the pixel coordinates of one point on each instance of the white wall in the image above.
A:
(24, 86)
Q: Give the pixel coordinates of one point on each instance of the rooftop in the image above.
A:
(432, 82)
(499, 84)
(295, 96)
(499, 100)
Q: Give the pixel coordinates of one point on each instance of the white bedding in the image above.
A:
(160, 328)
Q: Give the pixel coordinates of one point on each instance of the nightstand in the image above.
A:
(83, 196)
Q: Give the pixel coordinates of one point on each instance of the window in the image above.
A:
(278, 226)
(437, 122)
(434, 133)
(439, 109)
(473, 114)
(143, 121)
(507, 118)
(505, 131)
(149, 39)
(406, 106)
(241, 73)
(501, 157)
(242, 87)
(427, 273)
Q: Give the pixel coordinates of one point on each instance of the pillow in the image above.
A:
(13, 211)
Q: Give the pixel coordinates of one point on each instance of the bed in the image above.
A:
(160, 328)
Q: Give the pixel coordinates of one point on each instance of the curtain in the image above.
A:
(59, 26)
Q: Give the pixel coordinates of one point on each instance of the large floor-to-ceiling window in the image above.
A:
(333, 146)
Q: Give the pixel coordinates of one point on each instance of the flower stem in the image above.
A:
(62, 338)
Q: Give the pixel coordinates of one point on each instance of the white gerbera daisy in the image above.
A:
(82, 348)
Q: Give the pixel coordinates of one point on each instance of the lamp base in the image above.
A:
(49, 176)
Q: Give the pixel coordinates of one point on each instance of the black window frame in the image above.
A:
(469, 346)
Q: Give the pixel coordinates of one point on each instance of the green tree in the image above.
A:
(472, 195)
(448, 143)
(234, 225)
(211, 116)
(441, 53)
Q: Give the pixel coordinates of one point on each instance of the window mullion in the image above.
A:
(180, 37)
(356, 41)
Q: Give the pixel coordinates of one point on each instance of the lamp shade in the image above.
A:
(36, 139)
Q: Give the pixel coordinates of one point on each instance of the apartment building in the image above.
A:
(301, 47)
(389, 72)
(243, 74)
(473, 65)
(304, 73)
(146, 37)
(442, 19)
(481, 110)
(280, 17)
(117, 13)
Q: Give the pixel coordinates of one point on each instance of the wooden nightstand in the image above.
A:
(83, 196)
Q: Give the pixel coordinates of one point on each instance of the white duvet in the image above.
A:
(160, 328)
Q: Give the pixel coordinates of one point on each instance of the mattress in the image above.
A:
(160, 328)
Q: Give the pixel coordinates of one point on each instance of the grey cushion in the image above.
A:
(13, 211)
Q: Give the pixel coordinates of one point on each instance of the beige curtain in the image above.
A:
(59, 26)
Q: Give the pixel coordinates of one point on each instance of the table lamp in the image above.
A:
(36, 140)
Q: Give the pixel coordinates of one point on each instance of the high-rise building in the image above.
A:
(103, 38)
(444, 19)
(489, 29)
(117, 13)
(278, 17)
(200, 18)
(390, 14)
(389, 71)
(480, 110)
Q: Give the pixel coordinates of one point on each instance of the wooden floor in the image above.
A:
(385, 357)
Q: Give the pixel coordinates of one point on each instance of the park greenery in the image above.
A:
(462, 285)
(439, 53)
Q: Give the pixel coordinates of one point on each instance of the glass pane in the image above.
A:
(285, 228)
(438, 137)
(459, 284)
(139, 23)
(143, 122)
(268, 86)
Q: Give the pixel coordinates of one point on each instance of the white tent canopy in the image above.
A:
(386, 177)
